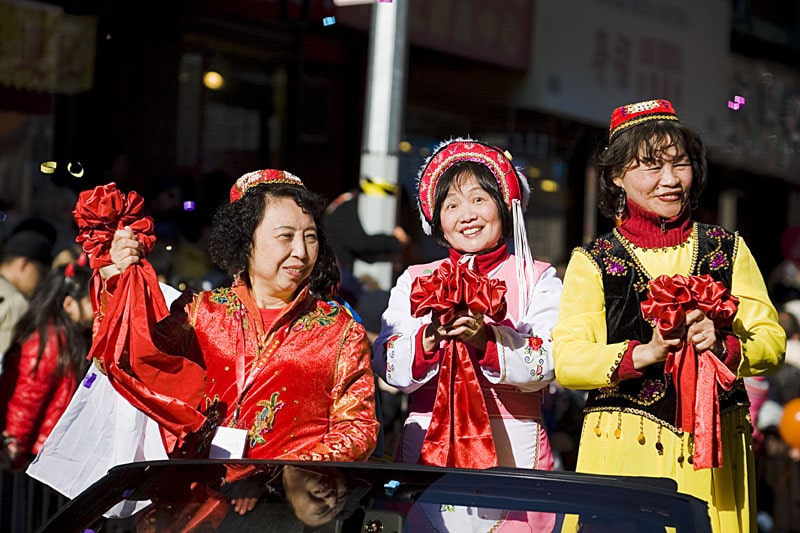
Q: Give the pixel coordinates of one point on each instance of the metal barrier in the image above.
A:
(26, 504)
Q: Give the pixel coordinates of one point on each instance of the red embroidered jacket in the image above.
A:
(305, 389)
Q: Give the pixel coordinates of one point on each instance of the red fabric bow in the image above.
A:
(695, 375)
(103, 210)
(168, 388)
(459, 434)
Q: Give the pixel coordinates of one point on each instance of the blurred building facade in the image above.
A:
(193, 86)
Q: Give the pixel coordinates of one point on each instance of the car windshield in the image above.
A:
(200, 496)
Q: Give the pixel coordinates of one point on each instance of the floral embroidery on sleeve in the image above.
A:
(535, 356)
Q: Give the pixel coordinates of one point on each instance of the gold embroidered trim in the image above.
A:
(651, 417)
(617, 362)
(635, 121)
(630, 247)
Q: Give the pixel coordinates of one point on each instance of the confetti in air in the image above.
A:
(737, 103)
(329, 21)
(188, 205)
(73, 167)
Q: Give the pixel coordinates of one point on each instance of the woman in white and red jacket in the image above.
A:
(42, 369)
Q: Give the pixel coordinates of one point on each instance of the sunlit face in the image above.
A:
(29, 276)
(80, 311)
(469, 217)
(661, 186)
(315, 497)
(285, 250)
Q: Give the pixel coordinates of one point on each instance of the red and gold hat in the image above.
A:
(251, 179)
(632, 114)
(512, 185)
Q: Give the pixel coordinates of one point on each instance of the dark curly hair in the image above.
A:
(235, 223)
(456, 174)
(646, 143)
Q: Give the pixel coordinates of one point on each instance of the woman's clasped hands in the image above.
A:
(465, 326)
(698, 329)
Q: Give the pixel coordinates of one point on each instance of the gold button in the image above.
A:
(227, 368)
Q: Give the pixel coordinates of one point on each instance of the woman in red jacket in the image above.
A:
(47, 358)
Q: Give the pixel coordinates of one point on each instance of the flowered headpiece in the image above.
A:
(510, 181)
(513, 187)
(251, 179)
(629, 115)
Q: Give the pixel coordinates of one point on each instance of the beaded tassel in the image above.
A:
(641, 438)
(659, 446)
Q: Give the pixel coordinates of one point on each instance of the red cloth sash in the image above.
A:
(166, 387)
(459, 433)
(695, 375)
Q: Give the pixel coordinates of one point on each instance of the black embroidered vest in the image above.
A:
(625, 285)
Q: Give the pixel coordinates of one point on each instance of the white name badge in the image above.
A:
(228, 443)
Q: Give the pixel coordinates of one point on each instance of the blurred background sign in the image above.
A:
(44, 49)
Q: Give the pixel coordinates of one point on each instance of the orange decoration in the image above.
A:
(790, 423)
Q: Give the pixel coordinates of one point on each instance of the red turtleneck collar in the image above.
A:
(646, 229)
(484, 262)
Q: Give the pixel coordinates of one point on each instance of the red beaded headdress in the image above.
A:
(251, 179)
(632, 114)
(511, 182)
(513, 187)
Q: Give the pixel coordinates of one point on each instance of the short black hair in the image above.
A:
(235, 223)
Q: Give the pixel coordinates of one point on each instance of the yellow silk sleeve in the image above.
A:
(763, 340)
(583, 360)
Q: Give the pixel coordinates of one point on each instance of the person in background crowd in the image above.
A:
(349, 239)
(784, 280)
(24, 261)
(777, 466)
(621, 336)
(496, 339)
(45, 362)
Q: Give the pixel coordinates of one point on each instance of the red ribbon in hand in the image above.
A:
(459, 433)
(168, 388)
(695, 375)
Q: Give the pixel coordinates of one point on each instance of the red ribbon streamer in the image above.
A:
(695, 375)
(168, 388)
(459, 434)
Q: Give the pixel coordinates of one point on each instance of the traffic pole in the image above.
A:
(385, 103)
